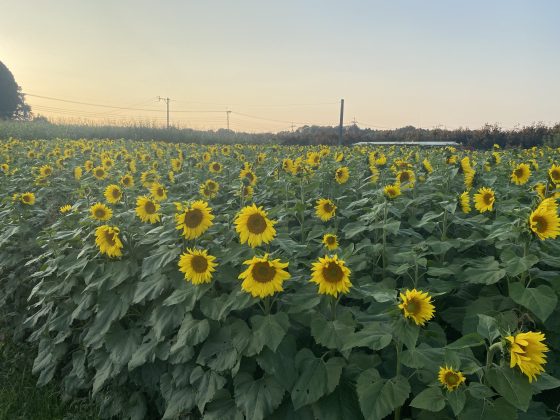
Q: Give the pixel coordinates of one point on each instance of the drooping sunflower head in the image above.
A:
(325, 209)
(465, 201)
(27, 198)
(193, 221)
(484, 200)
(405, 178)
(392, 191)
(88, 165)
(374, 174)
(544, 220)
(342, 175)
(108, 241)
(78, 172)
(197, 265)
(215, 167)
(65, 209)
(247, 191)
(263, 276)
(540, 189)
(100, 211)
(332, 276)
(469, 178)
(99, 172)
(417, 305)
(427, 166)
(147, 210)
(554, 174)
(113, 194)
(521, 174)
(449, 378)
(330, 241)
(158, 191)
(254, 227)
(527, 351)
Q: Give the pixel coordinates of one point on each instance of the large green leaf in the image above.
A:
(431, 399)
(257, 399)
(483, 271)
(206, 383)
(379, 397)
(540, 300)
(268, 330)
(512, 385)
(331, 334)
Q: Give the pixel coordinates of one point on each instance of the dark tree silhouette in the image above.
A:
(12, 101)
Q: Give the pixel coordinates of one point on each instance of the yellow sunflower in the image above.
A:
(427, 166)
(484, 200)
(127, 181)
(147, 210)
(254, 227)
(392, 190)
(342, 175)
(65, 209)
(263, 277)
(554, 174)
(197, 265)
(405, 178)
(113, 194)
(247, 191)
(248, 175)
(209, 189)
(469, 178)
(521, 174)
(527, 351)
(540, 189)
(45, 171)
(215, 167)
(158, 191)
(417, 305)
(100, 211)
(78, 173)
(544, 221)
(88, 165)
(27, 198)
(99, 172)
(325, 209)
(465, 201)
(108, 241)
(374, 177)
(449, 378)
(330, 241)
(332, 276)
(194, 220)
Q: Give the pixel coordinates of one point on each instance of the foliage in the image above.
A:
(146, 343)
(12, 101)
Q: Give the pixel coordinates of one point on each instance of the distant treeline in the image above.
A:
(483, 138)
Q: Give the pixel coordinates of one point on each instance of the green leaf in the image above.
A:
(498, 409)
(483, 271)
(487, 327)
(191, 332)
(316, 378)
(511, 385)
(515, 265)
(159, 259)
(340, 404)
(222, 407)
(110, 307)
(354, 228)
(457, 400)
(406, 332)
(380, 397)
(431, 399)
(257, 399)
(544, 382)
(540, 300)
(181, 401)
(331, 334)
(280, 363)
(206, 383)
(373, 336)
(469, 340)
(268, 330)
(480, 391)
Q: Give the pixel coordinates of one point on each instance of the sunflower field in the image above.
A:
(283, 282)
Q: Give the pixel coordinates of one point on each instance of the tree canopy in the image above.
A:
(12, 100)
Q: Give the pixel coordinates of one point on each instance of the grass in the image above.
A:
(19, 396)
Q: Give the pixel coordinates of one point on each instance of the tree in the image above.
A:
(12, 100)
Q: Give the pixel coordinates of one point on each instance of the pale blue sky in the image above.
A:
(419, 62)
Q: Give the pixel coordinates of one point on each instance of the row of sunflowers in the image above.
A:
(187, 281)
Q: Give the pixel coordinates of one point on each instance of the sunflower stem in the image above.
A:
(491, 351)
(398, 347)
(385, 211)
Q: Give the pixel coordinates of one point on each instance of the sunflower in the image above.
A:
(247, 175)
(254, 227)
(338, 157)
(65, 209)
(469, 178)
(78, 173)
(465, 201)
(554, 174)
(527, 351)
(544, 221)
(209, 189)
(107, 163)
(332, 276)
(194, 220)
(100, 211)
(540, 189)
(127, 181)
(263, 277)
(176, 164)
(247, 191)
(330, 241)
(374, 177)
(107, 240)
(99, 172)
(521, 174)
(27, 198)
(215, 167)
(392, 191)
(313, 159)
(325, 209)
(148, 178)
(406, 178)
(484, 200)
(417, 305)
(427, 166)
(88, 165)
(147, 210)
(197, 266)
(45, 171)
(342, 175)
(158, 191)
(113, 194)
(449, 378)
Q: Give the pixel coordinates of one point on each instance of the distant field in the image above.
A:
(166, 280)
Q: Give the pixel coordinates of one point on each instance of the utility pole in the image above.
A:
(166, 100)
(227, 116)
(341, 122)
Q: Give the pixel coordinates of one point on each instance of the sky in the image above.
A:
(427, 63)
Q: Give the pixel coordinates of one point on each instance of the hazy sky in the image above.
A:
(419, 62)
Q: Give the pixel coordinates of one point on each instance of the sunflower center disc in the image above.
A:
(99, 213)
(328, 207)
(555, 175)
(193, 218)
(99, 172)
(116, 193)
(110, 238)
(451, 378)
(256, 224)
(263, 272)
(199, 264)
(487, 198)
(413, 307)
(540, 223)
(150, 207)
(331, 240)
(518, 173)
(333, 273)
